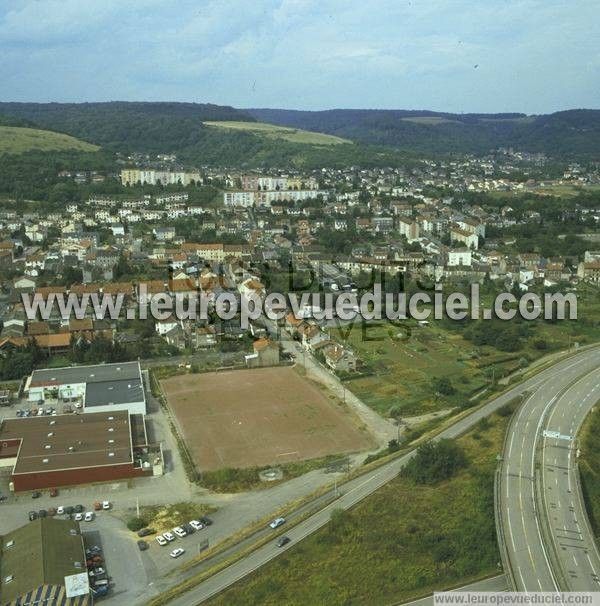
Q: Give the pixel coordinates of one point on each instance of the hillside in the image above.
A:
(272, 131)
(180, 128)
(125, 126)
(17, 140)
(573, 133)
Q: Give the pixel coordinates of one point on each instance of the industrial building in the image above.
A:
(100, 388)
(70, 449)
(43, 562)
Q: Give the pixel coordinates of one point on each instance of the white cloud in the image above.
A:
(532, 55)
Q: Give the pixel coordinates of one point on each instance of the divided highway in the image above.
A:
(545, 537)
(548, 382)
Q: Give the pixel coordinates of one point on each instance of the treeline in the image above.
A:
(573, 133)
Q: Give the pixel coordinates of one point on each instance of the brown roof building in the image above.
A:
(70, 449)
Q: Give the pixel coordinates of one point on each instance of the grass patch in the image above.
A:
(272, 131)
(402, 367)
(589, 467)
(16, 140)
(404, 541)
(165, 517)
(240, 480)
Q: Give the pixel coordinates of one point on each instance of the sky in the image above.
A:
(532, 56)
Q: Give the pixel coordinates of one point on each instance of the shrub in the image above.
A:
(435, 462)
(136, 524)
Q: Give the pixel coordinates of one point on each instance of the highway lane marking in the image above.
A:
(581, 402)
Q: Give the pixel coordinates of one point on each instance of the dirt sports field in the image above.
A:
(264, 416)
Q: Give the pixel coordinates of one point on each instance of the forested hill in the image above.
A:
(572, 133)
(126, 126)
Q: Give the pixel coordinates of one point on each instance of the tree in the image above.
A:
(435, 462)
(443, 386)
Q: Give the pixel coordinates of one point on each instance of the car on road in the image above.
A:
(177, 552)
(281, 541)
(169, 536)
(196, 524)
(206, 521)
(277, 522)
(179, 531)
(60, 510)
(161, 540)
(144, 532)
(89, 516)
(105, 504)
(32, 516)
(142, 545)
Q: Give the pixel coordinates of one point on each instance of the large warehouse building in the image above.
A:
(70, 449)
(101, 388)
(43, 563)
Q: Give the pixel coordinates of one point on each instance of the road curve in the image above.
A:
(364, 485)
(545, 536)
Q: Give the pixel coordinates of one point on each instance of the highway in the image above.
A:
(545, 537)
(556, 376)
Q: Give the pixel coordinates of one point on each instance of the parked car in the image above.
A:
(94, 550)
(32, 516)
(89, 516)
(97, 571)
(177, 552)
(161, 540)
(52, 511)
(206, 521)
(53, 492)
(42, 513)
(144, 532)
(69, 510)
(100, 591)
(142, 545)
(97, 506)
(169, 536)
(188, 528)
(196, 524)
(281, 541)
(79, 508)
(79, 517)
(60, 510)
(277, 522)
(179, 531)
(105, 504)
(36, 494)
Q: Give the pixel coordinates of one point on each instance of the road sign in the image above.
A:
(556, 435)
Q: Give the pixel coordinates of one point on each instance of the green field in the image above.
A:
(403, 367)
(15, 140)
(293, 135)
(402, 542)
